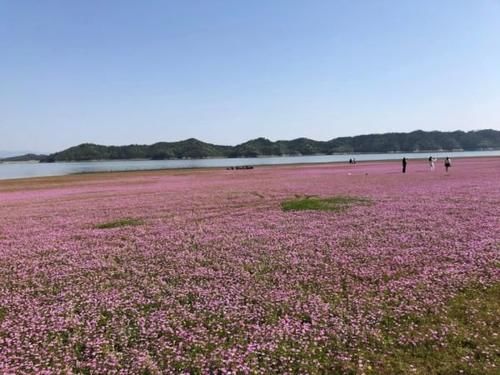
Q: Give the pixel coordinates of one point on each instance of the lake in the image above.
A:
(33, 169)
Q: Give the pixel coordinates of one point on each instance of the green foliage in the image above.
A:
(26, 157)
(119, 223)
(337, 203)
(193, 148)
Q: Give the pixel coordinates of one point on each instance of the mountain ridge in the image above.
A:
(191, 148)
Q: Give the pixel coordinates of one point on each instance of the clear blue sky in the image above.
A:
(225, 71)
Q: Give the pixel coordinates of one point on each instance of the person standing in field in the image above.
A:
(447, 163)
(431, 163)
(405, 162)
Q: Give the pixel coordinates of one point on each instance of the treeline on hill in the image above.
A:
(194, 149)
(25, 157)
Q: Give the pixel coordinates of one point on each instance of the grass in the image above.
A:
(3, 313)
(471, 342)
(468, 342)
(336, 203)
(119, 223)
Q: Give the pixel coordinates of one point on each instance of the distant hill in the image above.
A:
(9, 153)
(189, 148)
(25, 157)
(194, 149)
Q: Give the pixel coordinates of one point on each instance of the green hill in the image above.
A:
(25, 157)
(194, 149)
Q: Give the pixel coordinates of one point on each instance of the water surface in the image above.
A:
(24, 170)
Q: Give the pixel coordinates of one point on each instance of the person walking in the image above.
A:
(447, 164)
(405, 162)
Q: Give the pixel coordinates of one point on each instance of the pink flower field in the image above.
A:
(203, 271)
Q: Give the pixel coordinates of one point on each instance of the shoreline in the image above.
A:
(9, 184)
(59, 170)
(354, 154)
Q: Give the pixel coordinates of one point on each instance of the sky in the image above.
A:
(226, 71)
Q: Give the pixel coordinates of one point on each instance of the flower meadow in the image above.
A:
(203, 271)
